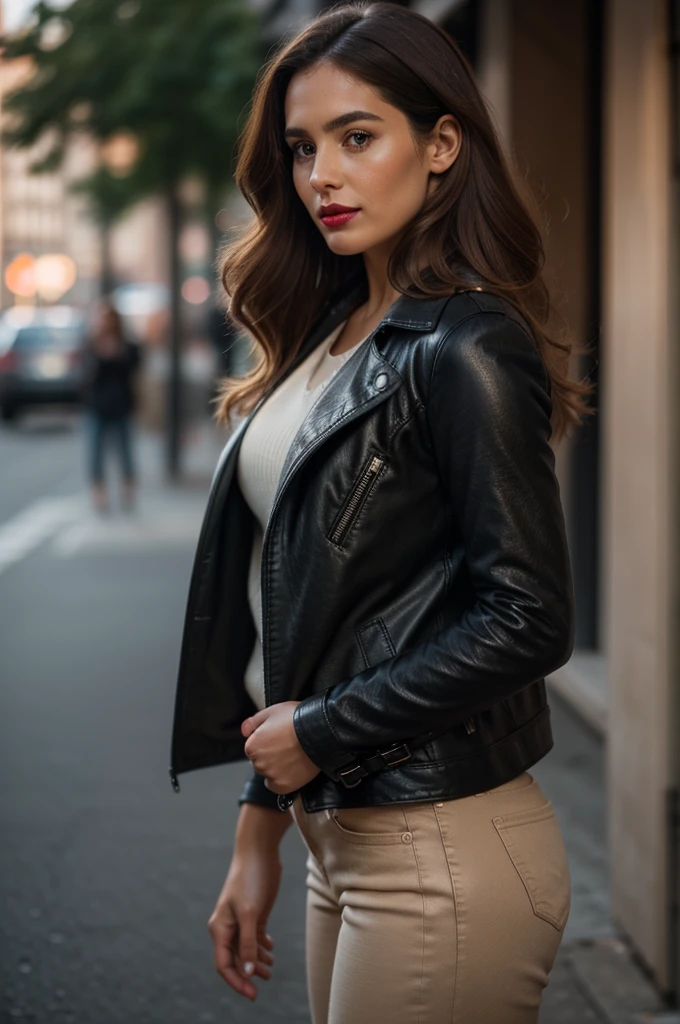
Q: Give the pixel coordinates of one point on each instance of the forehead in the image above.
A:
(323, 92)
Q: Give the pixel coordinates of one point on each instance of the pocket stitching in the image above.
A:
(528, 817)
(363, 631)
(366, 838)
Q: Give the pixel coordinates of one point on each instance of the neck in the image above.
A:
(381, 294)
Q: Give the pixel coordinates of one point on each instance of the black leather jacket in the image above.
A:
(416, 582)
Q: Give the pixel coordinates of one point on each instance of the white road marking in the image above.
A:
(35, 524)
(75, 528)
(131, 534)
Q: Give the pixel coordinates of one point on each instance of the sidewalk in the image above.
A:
(600, 981)
(597, 977)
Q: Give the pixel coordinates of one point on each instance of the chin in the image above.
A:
(343, 244)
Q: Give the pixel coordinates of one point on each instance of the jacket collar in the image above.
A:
(406, 311)
(340, 402)
(423, 314)
(415, 314)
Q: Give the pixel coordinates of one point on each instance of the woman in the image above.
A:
(109, 365)
(382, 580)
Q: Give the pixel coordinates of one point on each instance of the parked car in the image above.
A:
(40, 357)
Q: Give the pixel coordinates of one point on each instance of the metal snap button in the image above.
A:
(406, 837)
(381, 381)
(439, 804)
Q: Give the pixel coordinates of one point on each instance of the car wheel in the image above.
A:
(9, 413)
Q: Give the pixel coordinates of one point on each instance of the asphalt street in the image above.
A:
(108, 876)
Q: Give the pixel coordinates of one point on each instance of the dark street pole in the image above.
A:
(106, 281)
(174, 403)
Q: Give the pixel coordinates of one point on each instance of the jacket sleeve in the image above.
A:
(255, 792)
(488, 411)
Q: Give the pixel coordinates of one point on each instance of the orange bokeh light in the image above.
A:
(21, 277)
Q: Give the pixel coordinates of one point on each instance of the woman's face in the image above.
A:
(352, 149)
(106, 320)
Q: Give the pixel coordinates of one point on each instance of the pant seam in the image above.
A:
(455, 911)
(422, 896)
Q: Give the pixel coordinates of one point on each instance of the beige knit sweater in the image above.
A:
(263, 450)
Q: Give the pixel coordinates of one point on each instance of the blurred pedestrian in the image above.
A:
(110, 362)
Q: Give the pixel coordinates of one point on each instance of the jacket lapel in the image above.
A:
(352, 391)
(356, 389)
(370, 380)
(338, 312)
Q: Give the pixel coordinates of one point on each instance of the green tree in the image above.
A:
(175, 75)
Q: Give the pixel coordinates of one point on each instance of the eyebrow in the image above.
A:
(337, 122)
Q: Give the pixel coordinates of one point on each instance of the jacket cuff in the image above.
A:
(255, 792)
(316, 737)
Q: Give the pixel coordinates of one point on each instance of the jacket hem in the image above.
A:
(450, 778)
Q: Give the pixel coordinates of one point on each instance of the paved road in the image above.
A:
(108, 876)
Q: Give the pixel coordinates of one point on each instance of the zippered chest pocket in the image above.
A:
(372, 469)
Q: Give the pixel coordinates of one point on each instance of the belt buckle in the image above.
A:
(396, 750)
(349, 771)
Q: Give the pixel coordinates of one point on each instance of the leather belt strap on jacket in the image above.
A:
(352, 774)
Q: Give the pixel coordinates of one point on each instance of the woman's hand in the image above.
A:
(238, 923)
(274, 749)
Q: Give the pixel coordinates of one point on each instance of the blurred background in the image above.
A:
(119, 121)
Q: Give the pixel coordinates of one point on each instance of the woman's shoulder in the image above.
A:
(481, 335)
(478, 302)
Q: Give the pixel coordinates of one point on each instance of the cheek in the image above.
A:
(393, 182)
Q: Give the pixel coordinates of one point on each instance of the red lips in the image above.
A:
(333, 208)
(334, 215)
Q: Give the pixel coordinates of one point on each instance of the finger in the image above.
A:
(247, 942)
(262, 970)
(223, 937)
(251, 724)
(264, 956)
(225, 962)
(264, 961)
(233, 977)
(266, 942)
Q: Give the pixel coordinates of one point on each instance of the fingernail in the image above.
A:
(248, 967)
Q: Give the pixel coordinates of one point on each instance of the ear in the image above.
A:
(445, 145)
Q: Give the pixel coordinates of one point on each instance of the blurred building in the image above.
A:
(586, 95)
(40, 215)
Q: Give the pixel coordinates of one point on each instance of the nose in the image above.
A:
(325, 172)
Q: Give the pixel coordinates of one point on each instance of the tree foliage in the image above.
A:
(177, 74)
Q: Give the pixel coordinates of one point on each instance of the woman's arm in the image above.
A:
(238, 924)
(488, 411)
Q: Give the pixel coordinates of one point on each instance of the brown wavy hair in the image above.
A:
(280, 275)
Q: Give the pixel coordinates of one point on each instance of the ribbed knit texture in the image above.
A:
(263, 451)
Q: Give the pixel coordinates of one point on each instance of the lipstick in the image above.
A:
(334, 215)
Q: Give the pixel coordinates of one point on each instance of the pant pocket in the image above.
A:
(534, 842)
(370, 826)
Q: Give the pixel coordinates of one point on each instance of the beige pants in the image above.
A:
(442, 912)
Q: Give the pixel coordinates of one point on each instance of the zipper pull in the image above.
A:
(470, 725)
(173, 780)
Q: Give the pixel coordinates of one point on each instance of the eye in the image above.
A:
(363, 139)
(296, 149)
